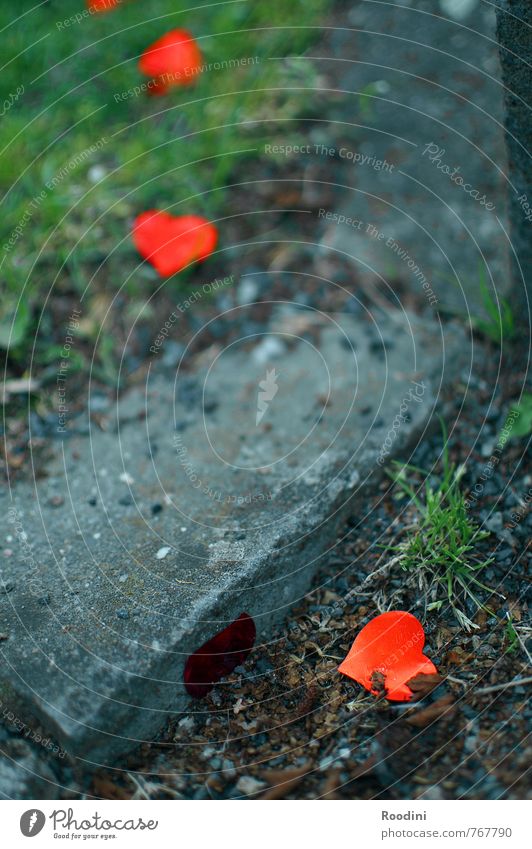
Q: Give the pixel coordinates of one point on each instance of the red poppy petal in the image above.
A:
(219, 656)
(157, 88)
(102, 5)
(170, 243)
(175, 59)
(207, 234)
(391, 644)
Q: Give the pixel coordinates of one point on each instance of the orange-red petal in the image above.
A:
(391, 644)
(170, 243)
(102, 5)
(174, 59)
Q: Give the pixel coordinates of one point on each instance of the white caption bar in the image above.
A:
(254, 824)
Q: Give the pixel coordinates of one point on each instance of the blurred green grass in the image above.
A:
(175, 151)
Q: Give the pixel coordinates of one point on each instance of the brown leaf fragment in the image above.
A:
(457, 657)
(365, 768)
(107, 789)
(442, 707)
(422, 685)
(331, 785)
(283, 781)
(308, 701)
(378, 683)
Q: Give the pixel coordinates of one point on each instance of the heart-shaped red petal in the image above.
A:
(170, 243)
(174, 60)
(392, 645)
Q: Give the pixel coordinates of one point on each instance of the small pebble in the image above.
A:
(249, 785)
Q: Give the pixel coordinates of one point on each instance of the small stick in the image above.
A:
(515, 683)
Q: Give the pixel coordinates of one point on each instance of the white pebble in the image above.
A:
(458, 9)
(248, 785)
(161, 554)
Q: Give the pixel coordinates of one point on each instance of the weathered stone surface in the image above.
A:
(179, 511)
(421, 154)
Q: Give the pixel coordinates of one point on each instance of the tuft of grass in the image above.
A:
(441, 550)
(523, 425)
(499, 322)
(511, 637)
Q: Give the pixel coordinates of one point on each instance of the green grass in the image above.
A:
(441, 550)
(498, 324)
(523, 424)
(511, 637)
(175, 152)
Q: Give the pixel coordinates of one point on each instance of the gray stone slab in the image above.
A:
(192, 502)
(422, 159)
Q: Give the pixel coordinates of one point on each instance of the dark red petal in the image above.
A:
(219, 656)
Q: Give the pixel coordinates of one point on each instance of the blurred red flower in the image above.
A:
(102, 5)
(389, 647)
(173, 60)
(170, 243)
